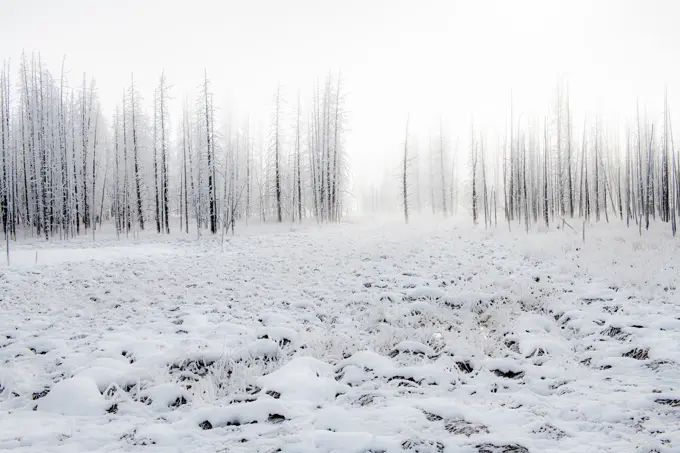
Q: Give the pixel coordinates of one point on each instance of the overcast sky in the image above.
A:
(459, 58)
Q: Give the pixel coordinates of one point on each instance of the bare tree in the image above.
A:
(442, 152)
(277, 153)
(473, 161)
(135, 154)
(210, 144)
(155, 163)
(405, 172)
(298, 166)
(162, 99)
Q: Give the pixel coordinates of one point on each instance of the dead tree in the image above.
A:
(162, 89)
(277, 154)
(135, 156)
(155, 162)
(405, 173)
(298, 165)
(212, 199)
(473, 160)
(441, 162)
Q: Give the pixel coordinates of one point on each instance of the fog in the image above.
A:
(448, 66)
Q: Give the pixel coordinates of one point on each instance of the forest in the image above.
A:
(71, 164)
(542, 172)
(68, 168)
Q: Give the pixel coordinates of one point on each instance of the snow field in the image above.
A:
(348, 338)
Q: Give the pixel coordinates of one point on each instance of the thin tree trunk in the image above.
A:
(210, 146)
(184, 162)
(84, 137)
(164, 157)
(570, 188)
(119, 224)
(155, 164)
(431, 178)
(473, 158)
(649, 180)
(135, 151)
(628, 178)
(75, 170)
(441, 162)
(277, 156)
(94, 172)
(405, 173)
(297, 163)
(484, 189)
(546, 217)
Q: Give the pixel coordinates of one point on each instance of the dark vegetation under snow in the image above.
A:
(352, 338)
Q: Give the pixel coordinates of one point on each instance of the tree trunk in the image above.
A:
(164, 162)
(277, 156)
(405, 173)
(441, 165)
(210, 148)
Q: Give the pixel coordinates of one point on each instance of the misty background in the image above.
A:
(438, 61)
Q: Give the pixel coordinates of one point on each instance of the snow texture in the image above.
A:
(348, 338)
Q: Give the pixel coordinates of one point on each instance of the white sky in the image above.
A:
(429, 56)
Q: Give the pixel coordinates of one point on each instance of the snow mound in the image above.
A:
(164, 395)
(412, 347)
(105, 372)
(304, 378)
(74, 396)
(281, 335)
(262, 349)
(426, 293)
(367, 359)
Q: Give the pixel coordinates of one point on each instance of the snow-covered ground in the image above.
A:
(350, 338)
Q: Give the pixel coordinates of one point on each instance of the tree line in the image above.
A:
(540, 173)
(69, 169)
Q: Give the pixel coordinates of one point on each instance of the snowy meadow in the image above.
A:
(366, 226)
(352, 337)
